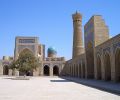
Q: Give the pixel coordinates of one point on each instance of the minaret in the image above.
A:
(77, 35)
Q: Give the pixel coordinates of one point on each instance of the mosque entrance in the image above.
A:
(55, 71)
(46, 70)
(5, 70)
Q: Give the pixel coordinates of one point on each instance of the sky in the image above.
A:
(51, 21)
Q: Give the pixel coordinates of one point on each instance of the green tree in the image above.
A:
(26, 62)
(12, 65)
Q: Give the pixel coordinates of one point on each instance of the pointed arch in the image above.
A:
(83, 70)
(5, 70)
(55, 70)
(46, 70)
(80, 70)
(107, 66)
(99, 70)
(77, 70)
(25, 50)
(117, 64)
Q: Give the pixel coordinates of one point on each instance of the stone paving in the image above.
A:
(49, 88)
(113, 87)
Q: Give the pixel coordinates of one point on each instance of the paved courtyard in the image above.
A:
(49, 88)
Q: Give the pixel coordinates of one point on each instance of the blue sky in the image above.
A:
(51, 21)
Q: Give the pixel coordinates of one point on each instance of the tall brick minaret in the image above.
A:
(77, 35)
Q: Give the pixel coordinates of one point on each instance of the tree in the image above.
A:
(13, 66)
(26, 62)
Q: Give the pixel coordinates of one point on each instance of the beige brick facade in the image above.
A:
(102, 54)
(99, 58)
(54, 64)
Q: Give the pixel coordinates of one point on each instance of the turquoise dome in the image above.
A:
(52, 50)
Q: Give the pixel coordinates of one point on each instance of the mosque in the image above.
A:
(98, 58)
(48, 66)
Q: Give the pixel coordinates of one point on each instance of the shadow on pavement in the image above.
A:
(60, 80)
(97, 84)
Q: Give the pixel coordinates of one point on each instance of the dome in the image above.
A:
(52, 50)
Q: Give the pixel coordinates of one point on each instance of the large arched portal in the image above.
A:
(99, 68)
(46, 70)
(107, 67)
(25, 54)
(117, 64)
(5, 70)
(55, 71)
(25, 50)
